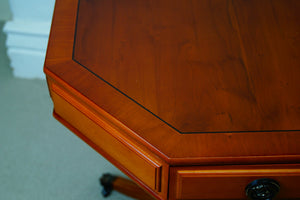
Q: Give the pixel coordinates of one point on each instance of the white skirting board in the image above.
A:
(26, 47)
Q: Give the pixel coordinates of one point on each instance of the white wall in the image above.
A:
(27, 36)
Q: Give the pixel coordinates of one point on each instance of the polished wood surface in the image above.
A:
(229, 182)
(134, 160)
(149, 169)
(250, 74)
(199, 66)
(159, 86)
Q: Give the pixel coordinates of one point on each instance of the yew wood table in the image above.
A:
(192, 99)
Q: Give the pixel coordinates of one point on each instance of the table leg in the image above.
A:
(124, 186)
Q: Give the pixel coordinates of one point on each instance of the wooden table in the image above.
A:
(192, 99)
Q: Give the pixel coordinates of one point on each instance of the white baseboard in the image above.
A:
(26, 47)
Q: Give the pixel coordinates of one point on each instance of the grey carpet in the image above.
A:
(39, 158)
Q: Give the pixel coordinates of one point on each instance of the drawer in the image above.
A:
(230, 182)
(124, 154)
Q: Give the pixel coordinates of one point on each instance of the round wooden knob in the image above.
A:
(262, 189)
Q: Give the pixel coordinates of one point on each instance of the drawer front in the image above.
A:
(230, 183)
(123, 154)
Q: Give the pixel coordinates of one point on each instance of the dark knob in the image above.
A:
(262, 189)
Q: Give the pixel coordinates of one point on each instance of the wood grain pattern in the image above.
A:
(167, 143)
(170, 84)
(200, 66)
(229, 182)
